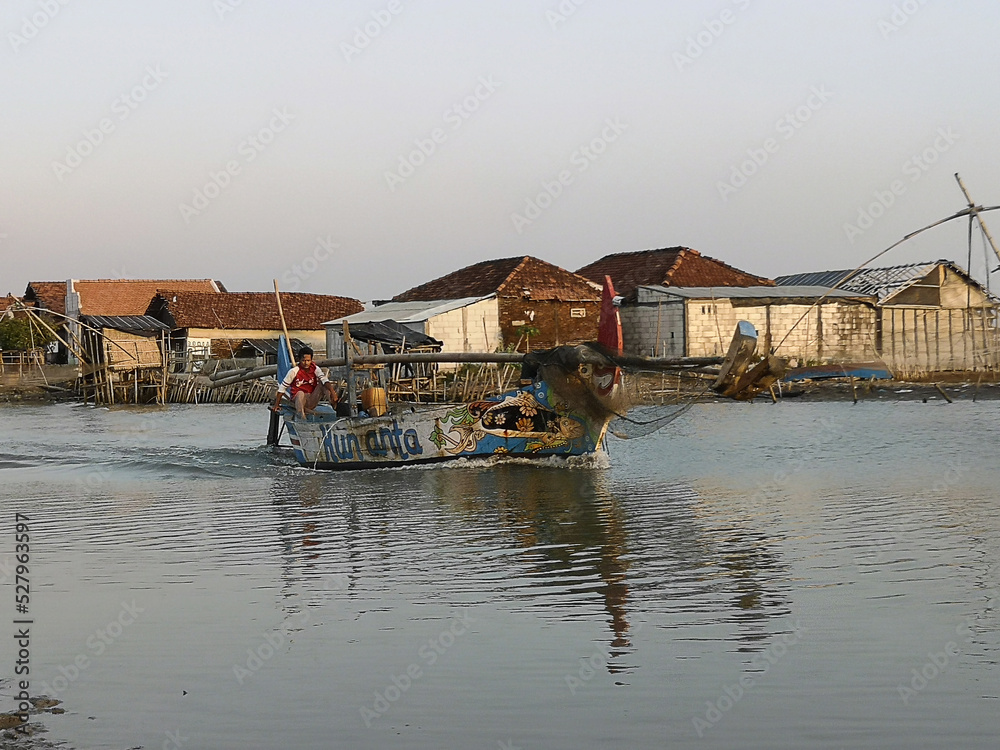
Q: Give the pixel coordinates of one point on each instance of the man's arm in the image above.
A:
(283, 387)
(330, 387)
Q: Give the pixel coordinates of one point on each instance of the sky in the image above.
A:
(363, 147)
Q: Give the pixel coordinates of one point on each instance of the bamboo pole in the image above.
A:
(284, 328)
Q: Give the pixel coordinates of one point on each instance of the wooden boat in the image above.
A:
(531, 421)
(562, 408)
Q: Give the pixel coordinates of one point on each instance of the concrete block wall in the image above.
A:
(834, 331)
(643, 336)
(473, 328)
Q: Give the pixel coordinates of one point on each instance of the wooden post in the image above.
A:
(986, 344)
(352, 387)
(284, 328)
(927, 342)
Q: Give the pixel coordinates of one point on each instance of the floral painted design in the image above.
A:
(520, 419)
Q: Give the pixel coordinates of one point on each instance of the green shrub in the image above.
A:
(22, 334)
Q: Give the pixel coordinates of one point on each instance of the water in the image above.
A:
(755, 576)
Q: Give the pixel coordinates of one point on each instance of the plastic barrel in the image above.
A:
(374, 401)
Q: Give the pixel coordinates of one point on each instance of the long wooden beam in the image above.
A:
(649, 363)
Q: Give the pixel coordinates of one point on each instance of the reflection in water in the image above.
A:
(559, 540)
(568, 518)
(670, 560)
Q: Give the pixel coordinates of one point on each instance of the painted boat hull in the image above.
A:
(529, 422)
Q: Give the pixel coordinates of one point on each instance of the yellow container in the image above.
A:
(374, 401)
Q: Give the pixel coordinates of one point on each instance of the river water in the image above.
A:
(797, 575)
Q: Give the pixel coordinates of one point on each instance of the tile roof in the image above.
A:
(507, 277)
(48, 294)
(113, 296)
(672, 266)
(880, 282)
(249, 310)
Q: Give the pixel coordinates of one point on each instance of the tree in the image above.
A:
(22, 334)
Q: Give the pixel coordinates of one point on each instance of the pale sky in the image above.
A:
(362, 147)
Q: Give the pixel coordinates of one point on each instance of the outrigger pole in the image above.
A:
(974, 212)
(648, 363)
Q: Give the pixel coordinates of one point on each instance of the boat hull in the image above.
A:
(530, 422)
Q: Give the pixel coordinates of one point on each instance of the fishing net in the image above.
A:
(636, 400)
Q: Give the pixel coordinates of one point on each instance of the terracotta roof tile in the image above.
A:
(674, 266)
(506, 277)
(249, 310)
(50, 295)
(113, 296)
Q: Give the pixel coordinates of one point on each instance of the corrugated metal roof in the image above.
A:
(270, 346)
(127, 323)
(409, 312)
(748, 292)
(880, 282)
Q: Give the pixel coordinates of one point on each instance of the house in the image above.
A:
(668, 267)
(932, 316)
(520, 301)
(797, 321)
(470, 324)
(107, 296)
(71, 299)
(207, 325)
(261, 352)
(124, 358)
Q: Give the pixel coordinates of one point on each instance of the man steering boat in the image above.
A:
(302, 383)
